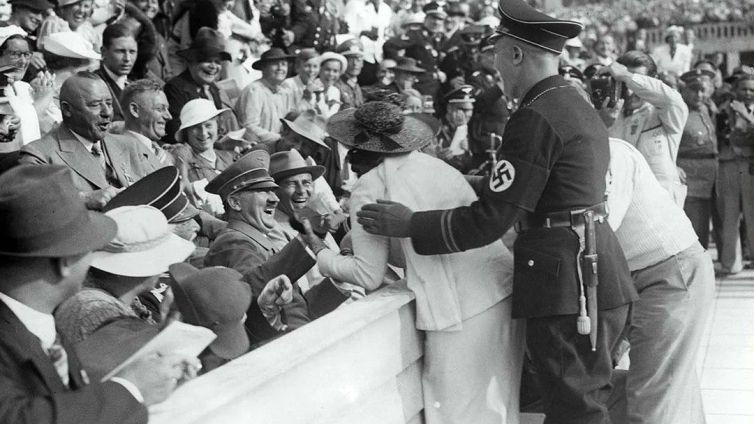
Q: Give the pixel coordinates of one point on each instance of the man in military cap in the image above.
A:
(248, 192)
(453, 141)
(455, 23)
(350, 91)
(571, 280)
(697, 153)
(314, 24)
(427, 46)
(462, 59)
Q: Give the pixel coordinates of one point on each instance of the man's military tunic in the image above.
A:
(427, 49)
(554, 157)
(315, 24)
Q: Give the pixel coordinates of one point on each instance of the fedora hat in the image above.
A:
(310, 125)
(144, 245)
(324, 57)
(216, 298)
(272, 55)
(42, 215)
(195, 112)
(379, 127)
(207, 44)
(285, 164)
(70, 44)
(249, 172)
(162, 190)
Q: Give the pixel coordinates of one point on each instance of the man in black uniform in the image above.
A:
(551, 179)
(314, 24)
(427, 46)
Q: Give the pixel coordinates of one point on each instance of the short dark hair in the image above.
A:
(636, 58)
(137, 88)
(116, 30)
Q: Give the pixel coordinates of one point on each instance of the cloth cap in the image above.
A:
(216, 298)
(206, 45)
(408, 64)
(334, 56)
(247, 173)
(43, 215)
(351, 47)
(525, 23)
(70, 44)
(272, 55)
(162, 190)
(379, 127)
(285, 164)
(9, 31)
(310, 125)
(35, 5)
(195, 112)
(462, 94)
(144, 245)
(697, 76)
(434, 9)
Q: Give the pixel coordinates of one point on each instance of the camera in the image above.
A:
(605, 87)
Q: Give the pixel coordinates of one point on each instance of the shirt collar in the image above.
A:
(274, 88)
(252, 232)
(120, 81)
(38, 323)
(87, 144)
(143, 139)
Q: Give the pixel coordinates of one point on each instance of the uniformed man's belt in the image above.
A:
(697, 156)
(560, 219)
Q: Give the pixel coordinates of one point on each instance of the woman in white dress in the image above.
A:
(473, 349)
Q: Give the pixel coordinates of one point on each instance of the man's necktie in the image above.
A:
(98, 154)
(59, 359)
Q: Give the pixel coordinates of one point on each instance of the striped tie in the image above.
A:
(59, 358)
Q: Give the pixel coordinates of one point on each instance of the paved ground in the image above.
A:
(726, 360)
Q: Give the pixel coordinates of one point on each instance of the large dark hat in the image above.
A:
(207, 44)
(216, 298)
(43, 215)
(272, 55)
(525, 23)
(379, 127)
(408, 64)
(160, 189)
(247, 173)
(35, 5)
(285, 164)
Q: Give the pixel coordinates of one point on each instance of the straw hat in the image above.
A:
(70, 44)
(285, 164)
(195, 112)
(144, 245)
(310, 125)
(324, 57)
(379, 127)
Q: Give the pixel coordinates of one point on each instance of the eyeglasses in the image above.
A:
(14, 54)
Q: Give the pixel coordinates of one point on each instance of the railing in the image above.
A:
(359, 364)
(714, 37)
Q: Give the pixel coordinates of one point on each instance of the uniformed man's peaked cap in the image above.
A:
(434, 9)
(462, 94)
(525, 23)
(250, 172)
(696, 76)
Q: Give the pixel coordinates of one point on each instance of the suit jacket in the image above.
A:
(245, 249)
(32, 392)
(130, 161)
(156, 156)
(114, 91)
(183, 88)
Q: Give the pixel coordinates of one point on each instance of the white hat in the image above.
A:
(673, 29)
(334, 56)
(413, 19)
(70, 44)
(10, 31)
(574, 42)
(490, 21)
(144, 245)
(195, 112)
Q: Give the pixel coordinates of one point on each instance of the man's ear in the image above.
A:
(518, 55)
(64, 266)
(66, 109)
(233, 202)
(133, 109)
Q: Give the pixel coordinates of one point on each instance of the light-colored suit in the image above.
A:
(156, 155)
(130, 161)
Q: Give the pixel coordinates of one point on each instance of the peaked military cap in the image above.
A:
(695, 76)
(434, 9)
(250, 172)
(462, 94)
(350, 47)
(472, 34)
(527, 24)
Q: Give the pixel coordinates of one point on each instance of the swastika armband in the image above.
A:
(517, 182)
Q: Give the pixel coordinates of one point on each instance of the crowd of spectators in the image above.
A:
(229, 141)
